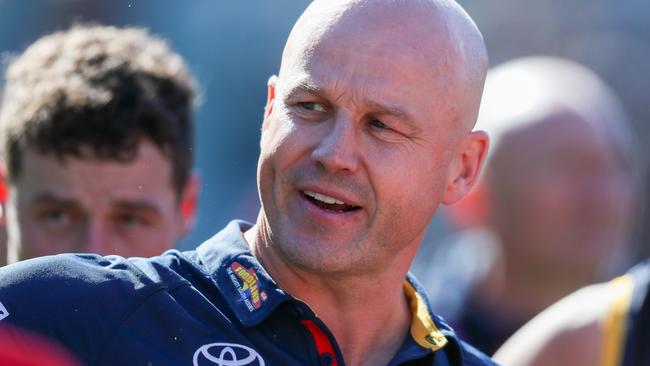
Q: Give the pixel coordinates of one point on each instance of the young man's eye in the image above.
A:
(54, 215)
(54, 218)
(312, 106)
(130, 219)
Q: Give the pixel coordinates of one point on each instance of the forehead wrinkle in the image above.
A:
(439, 33)
(125, 203)
(301, 86)
(391, 110)
(360, 99)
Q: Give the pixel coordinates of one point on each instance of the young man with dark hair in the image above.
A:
(96, 128)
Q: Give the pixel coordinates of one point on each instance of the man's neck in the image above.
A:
(367, 313)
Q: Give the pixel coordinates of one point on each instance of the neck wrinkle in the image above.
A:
(366, 335)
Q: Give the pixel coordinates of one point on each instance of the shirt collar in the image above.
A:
(423, 329)
(253, 295)
(429, 332)
(246, 287)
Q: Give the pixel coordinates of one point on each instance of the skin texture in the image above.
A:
(373, 106)
(90, 205)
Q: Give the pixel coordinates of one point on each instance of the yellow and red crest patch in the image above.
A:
(248, 285)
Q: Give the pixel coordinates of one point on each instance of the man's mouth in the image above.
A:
(329, 203)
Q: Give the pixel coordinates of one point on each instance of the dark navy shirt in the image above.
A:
(214, 305)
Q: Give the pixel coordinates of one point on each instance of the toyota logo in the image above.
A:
(227, 354)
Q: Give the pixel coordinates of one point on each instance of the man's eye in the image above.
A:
(54, 215)
(129, 219)
(54, 218)
(312, 106)
(378, 124)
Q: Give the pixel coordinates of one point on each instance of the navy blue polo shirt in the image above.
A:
(214, 305)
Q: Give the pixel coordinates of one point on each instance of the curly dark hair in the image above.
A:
(95, 92)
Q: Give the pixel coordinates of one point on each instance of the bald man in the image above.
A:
(367, 129)
(554, 205)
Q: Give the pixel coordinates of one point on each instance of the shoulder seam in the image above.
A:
(130, 310)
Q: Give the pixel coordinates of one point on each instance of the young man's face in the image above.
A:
(88, 205)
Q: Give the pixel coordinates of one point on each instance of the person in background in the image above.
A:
(31, 350)
(367, 129)
(606, 324)
(553, 207)
(96, 127)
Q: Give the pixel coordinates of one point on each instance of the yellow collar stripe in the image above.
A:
(423, 329)
(614, 324)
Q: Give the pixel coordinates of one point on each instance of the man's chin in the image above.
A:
(321, 254)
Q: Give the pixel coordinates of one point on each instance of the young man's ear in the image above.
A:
(189, 202)
(270, 99)
(466, 167)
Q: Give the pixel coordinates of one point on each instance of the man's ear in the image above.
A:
(474, 209)
(189, 202)
(466, 167)
(270, 99)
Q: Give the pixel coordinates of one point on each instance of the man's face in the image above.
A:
(567, 198)
(89, 205)
(355, 154)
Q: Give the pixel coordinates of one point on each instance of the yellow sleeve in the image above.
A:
(615, 321)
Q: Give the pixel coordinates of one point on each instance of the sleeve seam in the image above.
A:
(129, 312)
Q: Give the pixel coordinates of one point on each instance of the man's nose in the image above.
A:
(337, 151)
(97, 238)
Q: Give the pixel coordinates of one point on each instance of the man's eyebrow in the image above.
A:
(306, 86)
(390, 110)
(303, 86)
(137, 205)
(50, 198)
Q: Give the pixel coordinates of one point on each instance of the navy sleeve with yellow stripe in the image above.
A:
(626, 340)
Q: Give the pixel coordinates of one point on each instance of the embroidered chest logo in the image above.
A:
(247, 284)
(227, 354)
(3, 311)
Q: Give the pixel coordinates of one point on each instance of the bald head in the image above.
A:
(560, 175)
(533, 93)
(374, 104)
(437, 35)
